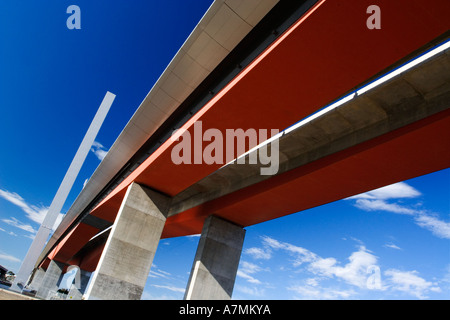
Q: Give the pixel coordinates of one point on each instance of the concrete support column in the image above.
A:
(50, 282)
(128, 254)
(38, 277)
(77, 290)
(216, 261)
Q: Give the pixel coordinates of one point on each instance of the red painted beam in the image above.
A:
(72, 243)
(414, 150)
(90, 261)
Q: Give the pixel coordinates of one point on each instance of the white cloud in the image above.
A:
(248, 277)
(99, 150)
(171, 288)
(149, 296)
(392, 246)
(393, 191)
(258, 253)
(250, 267)
(97, 145)
(410, 283)
(361, 271)
(17, 200)
(8, 257)
(253, 291)
(159, 274)
(438, 227)
(30, 236)
(310, 289)
(34, 213)
(16, 223)
(376, 201)
(309, 292)
(8, 232)
(246, 269)
(354, 272)
(302, 255)
(312, 282)
(375, 205)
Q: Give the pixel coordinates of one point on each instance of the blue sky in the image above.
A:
(52, 81)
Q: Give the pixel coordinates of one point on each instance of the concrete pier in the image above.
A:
(80, 285)
(38, 277)
(216, 261)
(128, 254)
(50, 282)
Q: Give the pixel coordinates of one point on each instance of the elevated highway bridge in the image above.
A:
(313, 71)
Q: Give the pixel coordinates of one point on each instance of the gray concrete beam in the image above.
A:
(128, 254)
(38, 277)
(51, 280)
(415, 95)
(216, 261)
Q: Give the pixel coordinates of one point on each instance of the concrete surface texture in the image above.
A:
(126, 260)
(51, 280)
(216, 261)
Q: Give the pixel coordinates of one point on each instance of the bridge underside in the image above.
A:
(392, 133)
(332, 157)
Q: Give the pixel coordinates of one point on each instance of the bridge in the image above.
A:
(350, 109)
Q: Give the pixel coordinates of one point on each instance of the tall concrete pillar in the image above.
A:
(216, 261)
(128, 254)
(50, 282)
(79, 287)
(38, 276)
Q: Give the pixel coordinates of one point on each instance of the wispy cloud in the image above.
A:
(16, 223)
(410, 282)
(315, 292)
(392, 246)
(258, 253)
(14, 198)
(171, 288)
(251, 291)
(8, 257)
(375, 205)
(354, 272)
(157, 273)
(357, 273)
(34, 213)
(8, 232)
(301, 255)
(150, 296)
(99, 150)
(377, 200)
(393, 191)
(438, 227)
(246, 269)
